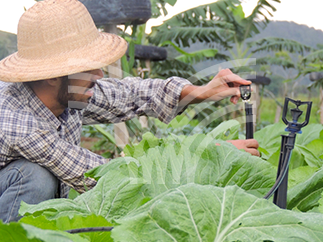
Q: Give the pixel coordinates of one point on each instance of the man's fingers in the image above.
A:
(252, 143)
(254, 152)
(249, 145)
(234, 99)
(234, 80)
(230, 92)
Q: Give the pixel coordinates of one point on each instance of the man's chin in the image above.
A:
(77, 105)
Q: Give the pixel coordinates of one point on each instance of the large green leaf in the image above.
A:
(227, 130)
(316, 147)
(207, 213)
(300, 174)
(314, 56)
(269, 138)
(77, 222)
(19, 232)
(305, 195)
(309, 133)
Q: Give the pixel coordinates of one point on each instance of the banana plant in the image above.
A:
(222, 23)
(310, 62)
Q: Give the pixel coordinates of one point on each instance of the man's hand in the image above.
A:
(224, 84)
(249, 145)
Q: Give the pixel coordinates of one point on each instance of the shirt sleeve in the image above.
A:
(66, 161)
(132, 96)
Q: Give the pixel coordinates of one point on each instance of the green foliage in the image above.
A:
(158, 7)
(105, 144)
(304, 152)
(188, 187)
(219, 22)
(21, 232)
(280, 59)
(127, 65)
(280, 44)
(174, 67)
(196, 56)
(65, 223)
(207, 213)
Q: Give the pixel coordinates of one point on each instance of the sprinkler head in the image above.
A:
(296, 113)
(245, 91)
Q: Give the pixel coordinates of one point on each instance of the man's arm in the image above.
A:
(121, 100)
(224, 84)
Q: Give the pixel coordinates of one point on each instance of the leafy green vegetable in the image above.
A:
(15, 232)
(305, 195)
(77, 222)
(227, 130)
(304, 153)
(197, 159)
(269, 138)
(148, 141)
(309, 133)
(115, 195)
(126, 183)
(300, 174)
(180, 189)
(315, 146)
(206, 213)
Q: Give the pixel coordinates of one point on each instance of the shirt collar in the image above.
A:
(37, 105)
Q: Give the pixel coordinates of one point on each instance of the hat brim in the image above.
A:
(104, 50)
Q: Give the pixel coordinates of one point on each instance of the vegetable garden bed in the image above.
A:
(186, 188)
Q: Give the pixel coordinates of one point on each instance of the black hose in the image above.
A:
(84, 230)
(281, 176)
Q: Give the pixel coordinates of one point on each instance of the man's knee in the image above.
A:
(41, 182)
(33, 181)
(23, 180)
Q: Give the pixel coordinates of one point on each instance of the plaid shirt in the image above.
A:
(28, 129)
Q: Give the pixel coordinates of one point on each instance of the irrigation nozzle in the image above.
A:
(287, 145)
(245, 92)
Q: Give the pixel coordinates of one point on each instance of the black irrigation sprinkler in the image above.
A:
(245, 91)
(287, 145)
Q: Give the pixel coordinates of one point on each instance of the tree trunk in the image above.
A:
(278, 113)
(121, 133)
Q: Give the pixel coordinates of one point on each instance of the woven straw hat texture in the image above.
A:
(58, 38)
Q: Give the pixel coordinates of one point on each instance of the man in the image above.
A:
(55, 89)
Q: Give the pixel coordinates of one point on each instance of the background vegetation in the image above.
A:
(197, 41)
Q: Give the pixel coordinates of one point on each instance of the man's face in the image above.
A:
(77, 89)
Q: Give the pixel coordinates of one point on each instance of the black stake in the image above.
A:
(287, 145)
(245, 91)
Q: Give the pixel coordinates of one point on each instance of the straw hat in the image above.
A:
(58, 38)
